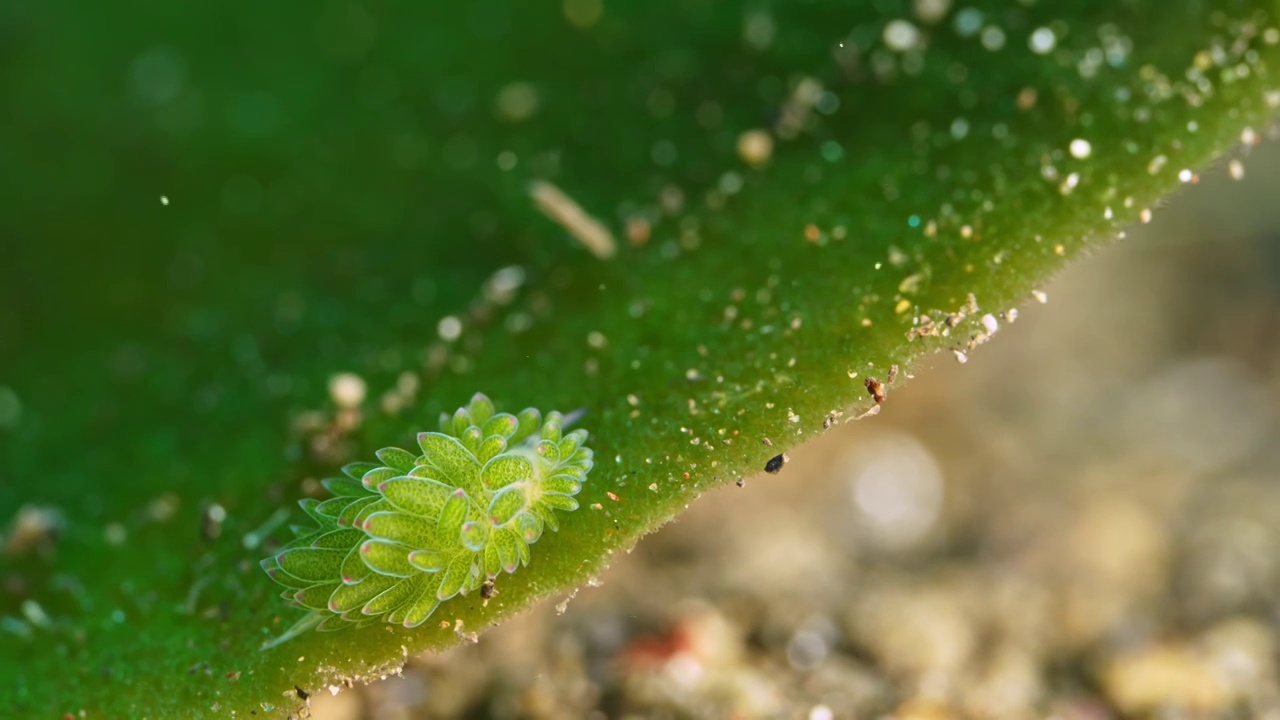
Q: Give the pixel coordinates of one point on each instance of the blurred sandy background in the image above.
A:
(1081, 522)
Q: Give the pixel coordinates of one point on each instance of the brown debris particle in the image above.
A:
(875, 389)
(1027, 98)
(925, 327)
(34, 527)
(638, 230)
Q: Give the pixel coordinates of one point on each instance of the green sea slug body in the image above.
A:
(404, 534)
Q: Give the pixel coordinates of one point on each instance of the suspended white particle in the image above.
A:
(992, 37)
(1042, 41)
(755, 146)
(901, 35)
(968, 22)
(347, 390)
(931, 11)
(449, 328)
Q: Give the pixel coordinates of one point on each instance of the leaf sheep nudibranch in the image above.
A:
(408, 532)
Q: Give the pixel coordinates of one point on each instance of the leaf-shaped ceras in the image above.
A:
(404, 534)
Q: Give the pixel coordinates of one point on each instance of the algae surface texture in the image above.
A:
(245, 245)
